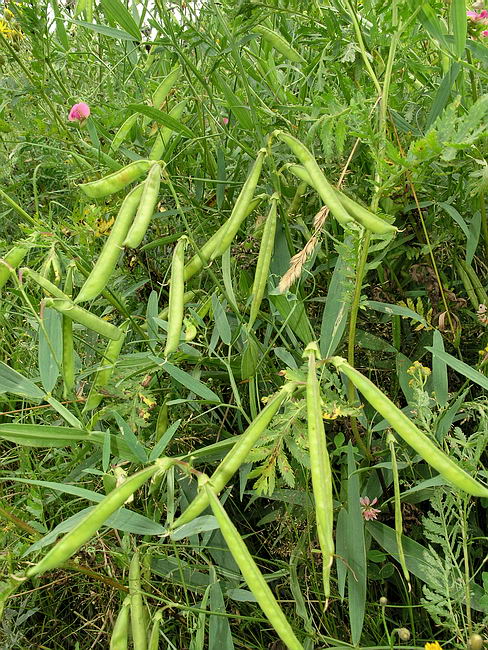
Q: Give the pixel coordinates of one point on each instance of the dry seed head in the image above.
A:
(403, 634)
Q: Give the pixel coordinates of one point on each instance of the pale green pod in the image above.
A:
(117, 181)
(165, 86)
(11, 261)
(120, 634)
(176, 298)
(138, 624)
(123, 132)
(84, 317)
(164, 134)
(279, 43)
(146, 207)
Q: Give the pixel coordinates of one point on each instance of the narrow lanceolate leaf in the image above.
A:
(115, 11)
(50, 348)
(320, 468)
(252, 575)
(459, 26)
(412, 435)
(162, 118)
(13, 382)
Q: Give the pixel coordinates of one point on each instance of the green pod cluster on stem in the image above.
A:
(119, 639)
(102, 377)
(145, 209)
(264, 260)
(412, 435)
(251, 573)
(138, 625)
(279, 43)
(117, 181)
(176, 298)
(70, 543)
(357, 212)
(107, 260)
(320, 468)
(237, 455)
(84, 317)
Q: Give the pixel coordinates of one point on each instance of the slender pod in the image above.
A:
(107, 260)
(120, 634)
(89, 525)
(164, 134)
(84, 317)
(138, 625)
(410, 432)
(237, 455)
(176, 298)
(197, 262)
(165, 86)
(317, 178)
(390, 439)
(320, 468)
(68, 366)
(10, 262)
(251, 573)
(123, 132)
(279, 43)
(50, 288)
(103, 375)
(264, 260)
(154, 638)
(358, 212)
(187, 297)
(146, 207)
(241, 207)
(117, 181)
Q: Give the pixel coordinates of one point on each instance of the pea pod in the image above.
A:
(320, 468)
(68, 365)
(410, 432)
(359, 213)
(107, 260)
(120, 634)
(154, 638)
(123, 132)
(50, 288)
(165, 86)
(146, 207)
(280, 44)
(84, 317)
(237, 455)
(164, 134)
(89, 525)
(241, 207)
(317, 178)
(197, 262)
(176, 298)
(251, 573)
(10, 262)
(264, 260)
(117, 181)
(103, 375)
(138, 625)
(390, 439)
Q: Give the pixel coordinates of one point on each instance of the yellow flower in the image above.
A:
(435, 645)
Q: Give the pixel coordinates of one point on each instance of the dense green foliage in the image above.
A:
(220, 302)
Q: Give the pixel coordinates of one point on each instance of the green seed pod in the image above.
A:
(251, 573)
(84, 317)
(154, 638)
(320, 468)
(146, 207)
(50, 288)
(410, 432)
(404, 634)
(264, 260)
(120, 634)
(123, 132)
(164, 134)
(89, 525)
(476, 642)
(176, 293)
(165, 86)
(68, 365)
(10, 262)
(279, 43)
(102, 376)
(237, 455)
(138, 624)
(107, 260)
(116, 181)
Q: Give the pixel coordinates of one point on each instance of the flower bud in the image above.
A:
(403, 634)
(383, 601)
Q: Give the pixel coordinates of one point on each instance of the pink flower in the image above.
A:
(225, 121)
(367, 509)
(485, 33)
(79, 112)
(478, 17)
(472, 14)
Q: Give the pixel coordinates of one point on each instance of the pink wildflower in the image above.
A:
(79, 112)
(478, 17)
(485, 33)
(225, 121)
(367, 509)
(472, 14)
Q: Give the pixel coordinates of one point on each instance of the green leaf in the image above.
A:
(187, 380)
(439, 370)
(336, 310)
(50, 348)
(199, 525)
(162, 118)
(461, 367)
(235, 105)
(459, 26)
(13, 382)
(396, 310)
(116, 11)
(103, 29)
(130, 438)
(219, 634)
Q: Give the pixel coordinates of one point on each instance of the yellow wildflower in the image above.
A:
(435, 645)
